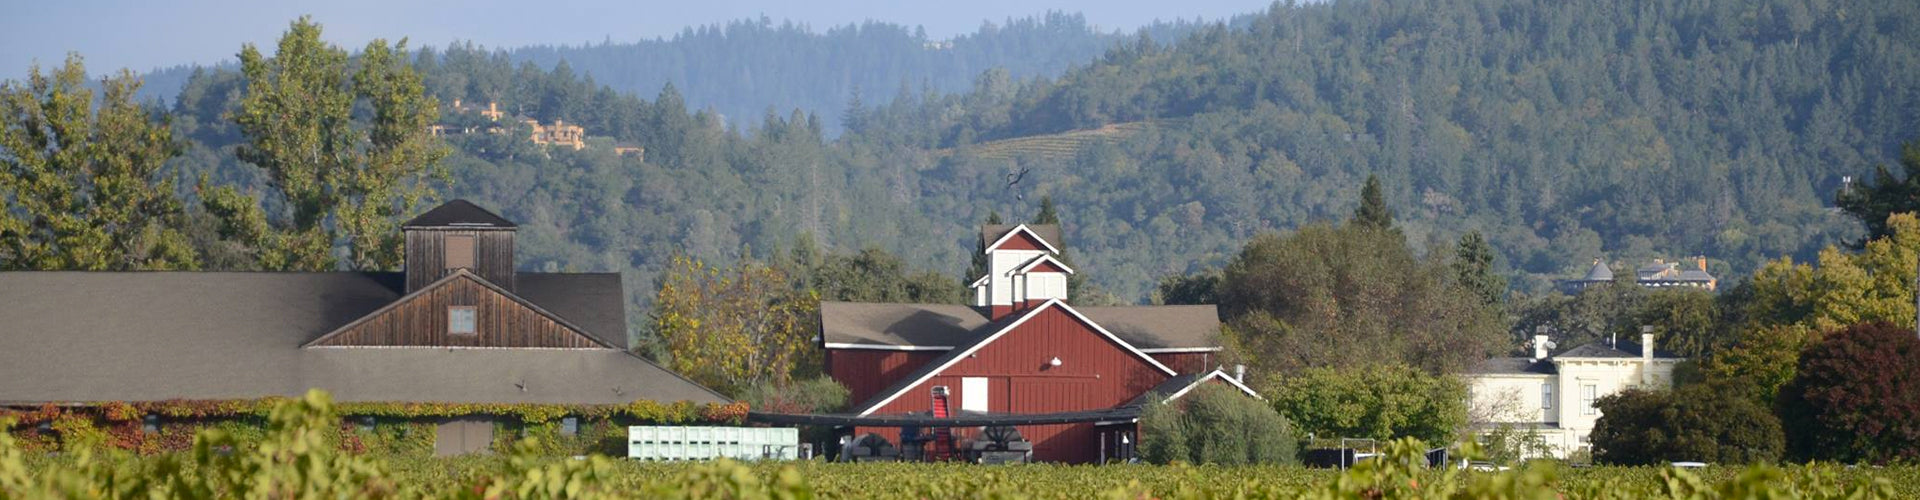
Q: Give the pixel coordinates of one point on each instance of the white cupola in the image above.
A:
(1023, 269)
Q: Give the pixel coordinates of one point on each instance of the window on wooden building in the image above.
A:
(461, 320)
(1546, 396)
(459, 251)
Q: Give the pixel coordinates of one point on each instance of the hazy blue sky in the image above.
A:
(146, 34)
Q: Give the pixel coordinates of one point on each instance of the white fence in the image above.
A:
(662, 443)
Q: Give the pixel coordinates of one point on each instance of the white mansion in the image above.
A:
(1554, 395)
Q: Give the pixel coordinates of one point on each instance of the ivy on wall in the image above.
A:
(399, 428)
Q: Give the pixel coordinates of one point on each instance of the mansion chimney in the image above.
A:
(458, 235)
(1542, 345)
(1023, 268)
(1646, 354)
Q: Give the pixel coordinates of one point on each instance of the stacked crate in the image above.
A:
(682, 443)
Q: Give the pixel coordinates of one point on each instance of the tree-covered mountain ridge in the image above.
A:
(741, 68)
(1564, 131)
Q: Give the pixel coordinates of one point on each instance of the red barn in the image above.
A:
(1021, 349)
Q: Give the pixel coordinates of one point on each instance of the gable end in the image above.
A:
(421, 319)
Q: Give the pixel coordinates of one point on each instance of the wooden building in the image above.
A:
(1021, 349)
(458, 325)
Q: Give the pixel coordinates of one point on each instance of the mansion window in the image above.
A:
(1588, 394)
(1546, 396)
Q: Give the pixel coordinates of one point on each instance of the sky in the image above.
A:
(143, 35)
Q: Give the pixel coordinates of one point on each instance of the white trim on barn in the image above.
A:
(1178, 350)
(1043, 258)
(1216, 373)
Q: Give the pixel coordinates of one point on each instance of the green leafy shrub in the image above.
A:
(1714, 423)
(1378, 402)
(1216, 424)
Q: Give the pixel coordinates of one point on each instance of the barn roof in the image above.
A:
(1049, 232)
(142, 336)
(856, 325)
(461, 214)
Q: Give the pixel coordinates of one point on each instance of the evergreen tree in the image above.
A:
(978, 267)
(1048, 214)
(1473, 266)
(855, 116)
(1373, 211)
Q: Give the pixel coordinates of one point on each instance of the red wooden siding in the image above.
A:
(421, 321)
(867, 371)
(1021, 240)
(1046, 267)
(1095, 373)
(1188, 362)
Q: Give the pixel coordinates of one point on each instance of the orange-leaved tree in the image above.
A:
(732, 328)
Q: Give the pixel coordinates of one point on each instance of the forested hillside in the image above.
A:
(743, 68)
(1567, 131)
(1564, 131)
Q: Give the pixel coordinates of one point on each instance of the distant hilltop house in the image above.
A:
(557, 134)
(459, 325)
(1552, 396)
(1019, 351)
(1659, 274)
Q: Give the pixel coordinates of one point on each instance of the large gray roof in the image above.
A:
(593, 301)
(942, 325)
(99, 336)
(885, 324)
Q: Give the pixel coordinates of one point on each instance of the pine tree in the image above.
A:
(1473, 267)
(1373, 211)
(979, 266)
(1047, 215)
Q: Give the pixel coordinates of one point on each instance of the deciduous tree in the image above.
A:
(346, 151)
(732, 328)
(1856, 396)
(1349, 296)
(84, 187)
(1715, 423)
(1379, 402)
(1215, 424)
